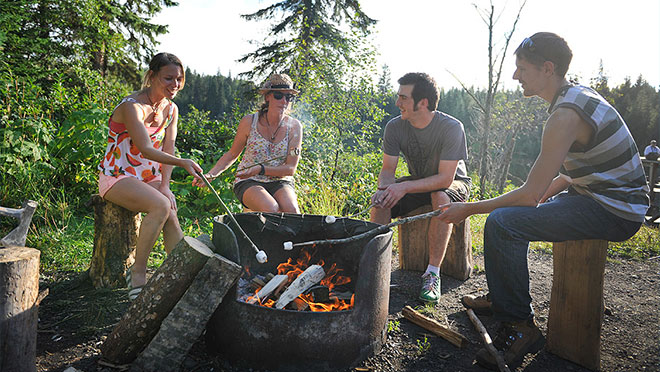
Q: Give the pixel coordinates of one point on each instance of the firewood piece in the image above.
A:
(161, 293)
(341, 295)
(19, 289)
(298, 304)
(115, 238)
(269, 276)
(306, 279)
(434, 326)
(501, 364)
(277, 282)
(185, 323)
(17, 236)
(320, 293)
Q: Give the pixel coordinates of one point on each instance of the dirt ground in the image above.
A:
(74, 320)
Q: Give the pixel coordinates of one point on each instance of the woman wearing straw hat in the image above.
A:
(271, 140)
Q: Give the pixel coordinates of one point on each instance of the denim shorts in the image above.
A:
(271, 187)
(458, 191)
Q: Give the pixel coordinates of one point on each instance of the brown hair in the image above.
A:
(424, 86)
(159, 61)
(546, 46)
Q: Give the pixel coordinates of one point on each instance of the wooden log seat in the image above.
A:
(115, 238)
(414, 251)
(576, 301)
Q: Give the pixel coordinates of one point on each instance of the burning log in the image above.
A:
(161, 293)
(273, 285)
(185, 323)
(434, 326)
(308, 278)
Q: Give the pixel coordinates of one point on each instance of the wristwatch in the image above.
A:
(263, 170)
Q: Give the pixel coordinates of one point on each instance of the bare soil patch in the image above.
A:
(75, 318)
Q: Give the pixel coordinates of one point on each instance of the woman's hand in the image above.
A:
(165, 190)
(193, 168)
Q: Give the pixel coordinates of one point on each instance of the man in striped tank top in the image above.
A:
(587, 183)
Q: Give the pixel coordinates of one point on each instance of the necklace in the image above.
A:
(154, 108)
(272, 138)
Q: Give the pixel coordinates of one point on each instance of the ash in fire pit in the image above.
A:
(354, 274)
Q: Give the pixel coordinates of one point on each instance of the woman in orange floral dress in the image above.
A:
(136, 169)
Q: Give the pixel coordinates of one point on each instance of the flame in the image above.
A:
(331, 281)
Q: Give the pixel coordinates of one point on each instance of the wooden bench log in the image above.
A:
(19, 289)
(414, 250)
(185, 323)
(24, 215)
(576, 301)
(115, 238)
(158, 297)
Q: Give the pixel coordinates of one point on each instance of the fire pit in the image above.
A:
(266, 337)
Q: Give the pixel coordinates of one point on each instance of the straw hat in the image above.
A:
(280, 82)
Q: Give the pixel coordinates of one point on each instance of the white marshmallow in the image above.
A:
(288, 246)
(261, 257)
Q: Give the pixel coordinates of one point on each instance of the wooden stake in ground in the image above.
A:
(185, 323)
(19, 288)
(145, 315)
(501, 364)
(434, 326)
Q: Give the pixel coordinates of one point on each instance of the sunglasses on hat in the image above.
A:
(279, 95)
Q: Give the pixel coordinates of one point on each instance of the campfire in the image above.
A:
(299, 285)
(320, 307)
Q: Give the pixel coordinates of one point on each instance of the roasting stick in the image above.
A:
(261, 255)
(374, 231)
(501, 364)
(361, 212)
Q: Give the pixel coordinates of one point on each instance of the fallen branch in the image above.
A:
(434, 326)
(375, 231)
(501, 364)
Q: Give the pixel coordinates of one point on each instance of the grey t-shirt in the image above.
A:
(442, 139)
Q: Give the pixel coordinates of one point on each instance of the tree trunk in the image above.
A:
(19, 288)
(185, 323)
(115, 238)
(166, 286)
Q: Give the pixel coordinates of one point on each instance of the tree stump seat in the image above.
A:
(115, 239)
(414, 250)
(576, 302)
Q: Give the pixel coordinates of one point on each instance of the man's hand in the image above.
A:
(454, 212)
(389, 196)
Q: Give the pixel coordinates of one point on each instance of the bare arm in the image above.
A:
(564, 127)
(558, 185)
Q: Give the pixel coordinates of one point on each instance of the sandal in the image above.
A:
(133, 292)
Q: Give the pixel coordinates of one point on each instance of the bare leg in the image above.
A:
(382, 216)
(172, 233)
(259, 200)
(137, 196)
(439, 232)
(287, 200)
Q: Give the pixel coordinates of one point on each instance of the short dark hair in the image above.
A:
(159, 61)
(423, 87)
(546, 46)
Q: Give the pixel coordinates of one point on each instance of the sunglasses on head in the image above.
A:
(529, 45)
(279, 95)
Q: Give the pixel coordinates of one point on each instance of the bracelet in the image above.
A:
(263, 170)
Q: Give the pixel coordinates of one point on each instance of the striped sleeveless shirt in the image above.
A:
(608, 169)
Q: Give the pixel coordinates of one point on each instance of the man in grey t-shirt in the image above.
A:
(434, 147)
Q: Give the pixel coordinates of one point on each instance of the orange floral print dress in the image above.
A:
(122, 157)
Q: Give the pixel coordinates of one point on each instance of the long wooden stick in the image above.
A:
(374, 231)
(434, 326)
(501, 364)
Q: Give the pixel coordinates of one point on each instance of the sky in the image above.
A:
(439, 37)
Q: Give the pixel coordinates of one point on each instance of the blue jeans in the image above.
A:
(509, 230)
